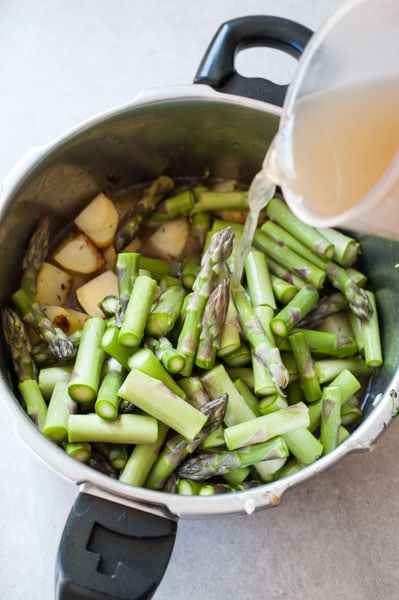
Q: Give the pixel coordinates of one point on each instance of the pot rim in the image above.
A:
(158, 502)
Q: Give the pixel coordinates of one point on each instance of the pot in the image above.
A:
(118, 539)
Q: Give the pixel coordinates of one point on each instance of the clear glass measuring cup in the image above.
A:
(336, 155)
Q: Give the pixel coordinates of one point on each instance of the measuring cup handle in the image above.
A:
(112, 551)
(217, 65)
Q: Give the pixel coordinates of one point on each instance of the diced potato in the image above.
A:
(79, 254)
(109, 254)
(66, 319)
(99, 220)
(53, 285)
(170, 238)
(90, 294)
(133, 246)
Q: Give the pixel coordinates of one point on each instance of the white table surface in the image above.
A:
(336, 537)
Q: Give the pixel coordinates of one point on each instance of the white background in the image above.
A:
(336, 537)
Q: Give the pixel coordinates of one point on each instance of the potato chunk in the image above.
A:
(53, 285)
(99, 220)
(91, 293)
(79, 254)
(67, 320)
(169, 239)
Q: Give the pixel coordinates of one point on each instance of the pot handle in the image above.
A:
(217, 65)
(109, 551)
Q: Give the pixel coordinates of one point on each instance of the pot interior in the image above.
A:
(180, 136)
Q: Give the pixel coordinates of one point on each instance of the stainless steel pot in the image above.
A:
(118, 538)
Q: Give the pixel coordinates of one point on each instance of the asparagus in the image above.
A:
(292, 313)
(35, 404)
(173, 361)
(217, 382)
(330, 417)
(165, 312)
(212, 325)
(283, 237)
(284, 273)
(371, 336)
(110, 344)
(115, 454)
(284, 255)
(264, 350)
(346, 248)
(259, 280)
(125, 429)
(33, 314)
(49, 376)
(194, 390)
(279, 212)
(137, 311)
(326, 306)
(239, 357)
(325, 342)
(200, 225)
(212, 265)
(19, 345)
(60, 407)
(146, 361)
(34, 256)
(177, 447)
(356, 296)
(142, 458)
(179, 204)
(155, 398)
(189, 270)
(211, 201)
(283, 290)
(327, 369)
(306, 366)
(85, 377)
(157, 267)
(107, 401)
(230, 338)
(265, 427)
(303, 445)
(130, 223)
(80, 451)
(127, 270)
(204, 466)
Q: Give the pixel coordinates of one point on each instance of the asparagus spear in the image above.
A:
(212, 325)
(356, 296)
(137, 311)
(19, 345)
(126, 429)
(35, 404)
(204, 466)
(34, 256)
(80, 451)
(107, 401)
(264, 349)
(212, 264)
(33, 314)
(60, 407)
(49, 376)
(290, 315)
(153, 397)
(133, 218)
(284, 255)
(172, 360)
(194, 390)
(330, 417)
(259, 280)
(85, 378)
(211, 201)
(306, 366)
(142, 459)
(177, 447)
(279, 212)
(127, 269)
(265, 427)
(371, 336)
(165, 311)
(326, 306)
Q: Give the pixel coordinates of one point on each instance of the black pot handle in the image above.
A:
(110, 551)
(217, 65)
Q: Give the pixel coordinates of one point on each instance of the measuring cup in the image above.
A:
(336, 155)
